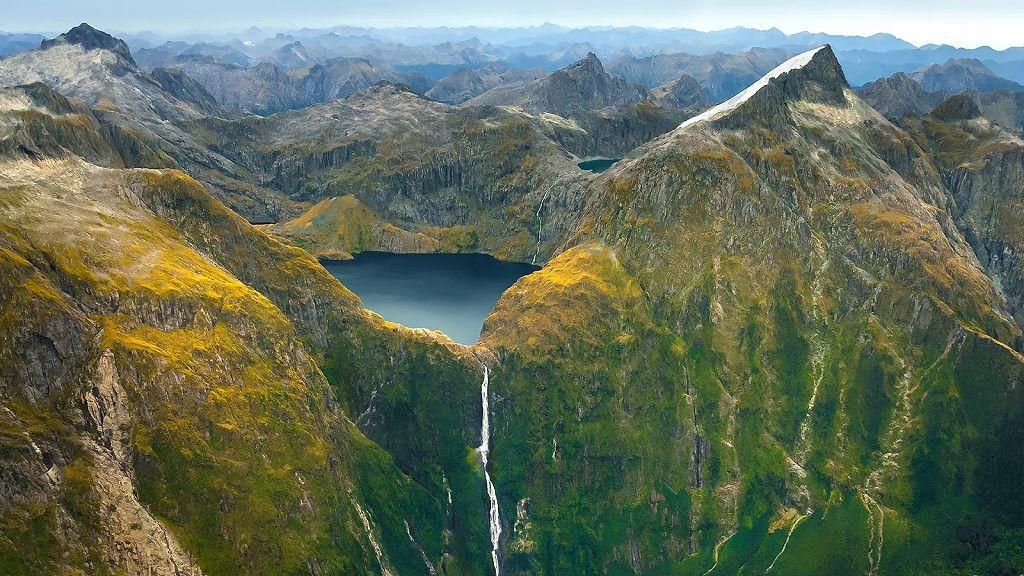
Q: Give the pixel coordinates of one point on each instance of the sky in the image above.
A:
(965, 23)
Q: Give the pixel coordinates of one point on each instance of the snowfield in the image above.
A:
(798, 61)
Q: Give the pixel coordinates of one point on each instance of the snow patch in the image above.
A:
(794, 63)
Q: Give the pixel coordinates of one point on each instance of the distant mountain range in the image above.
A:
(781, 336)
(903, 95)
(438, 51)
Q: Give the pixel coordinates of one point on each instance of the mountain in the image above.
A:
(466, 83)
(683, 93)
(263, 89)
(340, 77)
(863, 66)
(720, 75)
(898, 95)
(176, 382)
(957, 75)
(297, 55)
(577, 87)
(268, 87)
(464, 179)
(90, 38)
(341, 225)
(11, 43)
(186, 89)
(752, 346)
(982, 166)
(168, 53)
(1003, 107)
(141, 116)
(778, 336)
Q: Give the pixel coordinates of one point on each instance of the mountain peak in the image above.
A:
(814, 76)
(588, 62)
(959, 107)
(90, 38)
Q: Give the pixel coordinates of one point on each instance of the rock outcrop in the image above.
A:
(578, 87)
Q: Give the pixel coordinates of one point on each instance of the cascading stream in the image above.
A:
(484, 449)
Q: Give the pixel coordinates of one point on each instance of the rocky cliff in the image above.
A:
(181, 392)
(578, 87)
(768, 334)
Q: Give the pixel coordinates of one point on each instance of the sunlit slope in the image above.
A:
(766, 341)
(165, 398)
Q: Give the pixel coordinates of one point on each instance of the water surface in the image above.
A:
(452, 293)
(598, 164)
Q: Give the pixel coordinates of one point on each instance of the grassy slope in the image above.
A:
(236, 440)
(342, 225)
(771, 265)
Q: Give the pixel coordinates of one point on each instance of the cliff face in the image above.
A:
(982, 166)
(753, 348)
(181, 391)
(575, 88)
(474, 178)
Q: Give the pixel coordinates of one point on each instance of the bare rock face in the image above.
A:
(578, 87)
(466, 83)
(90, 38)
(899, 95)
(186, 89)
(819, 81)
(137, 541)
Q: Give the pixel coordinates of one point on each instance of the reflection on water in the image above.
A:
(452, 293)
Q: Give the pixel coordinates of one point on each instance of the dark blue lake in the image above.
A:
(598, 164)
(452, 293)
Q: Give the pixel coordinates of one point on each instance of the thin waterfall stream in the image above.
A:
(492, 496)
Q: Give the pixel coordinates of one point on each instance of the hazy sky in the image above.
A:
(968, 23)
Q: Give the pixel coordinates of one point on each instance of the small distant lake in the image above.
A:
(597, 164)
(452, 293)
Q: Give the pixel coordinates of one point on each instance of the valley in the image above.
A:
(394, 303)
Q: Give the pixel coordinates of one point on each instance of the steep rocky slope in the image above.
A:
(983, 167)
(899, 95)
(720, 75)
(683, 93)
(466, 83)
(181, 392)
(768, 335)
(479, 179)
(261, 89)
(142, 117)
(578, 87)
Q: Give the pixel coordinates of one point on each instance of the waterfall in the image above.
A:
(492, 496)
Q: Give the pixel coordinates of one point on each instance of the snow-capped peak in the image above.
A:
(794, 63)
